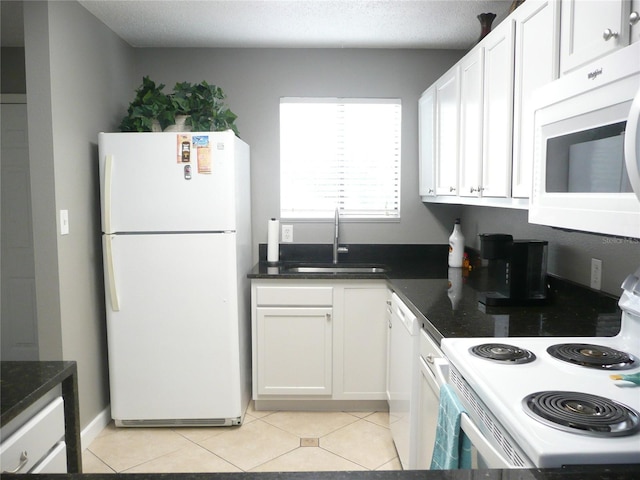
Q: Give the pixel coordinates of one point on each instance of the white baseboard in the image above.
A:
(91, 431)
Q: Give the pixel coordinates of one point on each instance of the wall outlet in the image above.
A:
(596, 273)
(287, 233)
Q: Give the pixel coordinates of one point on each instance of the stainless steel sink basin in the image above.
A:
(336, 269)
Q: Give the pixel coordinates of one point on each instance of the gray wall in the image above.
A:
(255, 80)
(570, 253)
(79, 80)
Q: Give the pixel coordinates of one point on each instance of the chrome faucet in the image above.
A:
(336, 238)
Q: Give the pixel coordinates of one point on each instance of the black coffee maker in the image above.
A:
(517, 270)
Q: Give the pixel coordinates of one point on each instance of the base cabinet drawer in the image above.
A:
(54, 462)
(33, 442)
(294, 296)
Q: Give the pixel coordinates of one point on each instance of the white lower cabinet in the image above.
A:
(37, 445)
(361, 342)
(294, 350)
(318, 340)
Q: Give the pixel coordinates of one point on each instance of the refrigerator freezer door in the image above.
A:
(173, 343)
(147, 185)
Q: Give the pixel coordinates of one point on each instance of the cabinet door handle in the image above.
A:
(634, 18)
(328, 315)
(452, 189)
(23, 461)
(608, 34)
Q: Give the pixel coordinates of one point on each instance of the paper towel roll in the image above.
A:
(273, 241)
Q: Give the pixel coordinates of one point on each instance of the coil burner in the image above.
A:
(502, 353)
(592, 356)
(582, 413)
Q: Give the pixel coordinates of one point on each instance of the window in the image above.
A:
(340, 153)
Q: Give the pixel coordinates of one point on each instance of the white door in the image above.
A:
(294, 350)
(471, 118)
(498, 111)
(634, 21)
(18, 295)
(536, 64)
(173, 331)
(363, 362)
(427, 143)
(149, 183)
(447, 117)
(591, 29)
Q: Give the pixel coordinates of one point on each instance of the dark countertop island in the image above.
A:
(24, 383)
(614, 472)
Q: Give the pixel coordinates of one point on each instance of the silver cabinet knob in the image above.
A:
(608, 34)
(452, 189)
(634, 18)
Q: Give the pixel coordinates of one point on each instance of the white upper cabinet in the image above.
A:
(480, 141)
(427, 144)
(498, 112)
(471, 114)
(591, 29)
(447, 116)
(634, 21)
(536, 64)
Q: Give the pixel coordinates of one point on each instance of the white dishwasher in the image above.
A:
(433, 372)
(402, 380)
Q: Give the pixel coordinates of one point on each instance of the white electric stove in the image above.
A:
(514, 396)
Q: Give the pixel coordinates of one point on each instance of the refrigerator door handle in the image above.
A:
(111, 277)
(108, 177)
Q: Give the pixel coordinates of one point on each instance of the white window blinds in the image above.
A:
(342, 153)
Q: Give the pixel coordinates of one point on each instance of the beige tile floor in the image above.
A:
(267, 441)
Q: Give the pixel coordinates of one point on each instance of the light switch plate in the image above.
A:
(64, 222)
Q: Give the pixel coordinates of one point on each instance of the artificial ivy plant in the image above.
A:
(202, 103)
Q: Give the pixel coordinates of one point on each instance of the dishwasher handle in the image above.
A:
(441, 371)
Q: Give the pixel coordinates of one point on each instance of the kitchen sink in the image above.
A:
(336, 269)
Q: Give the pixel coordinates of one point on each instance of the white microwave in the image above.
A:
(586, 168)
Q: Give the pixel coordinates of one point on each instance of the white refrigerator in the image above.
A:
(176, 237)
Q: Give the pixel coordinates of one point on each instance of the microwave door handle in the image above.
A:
(632, 145)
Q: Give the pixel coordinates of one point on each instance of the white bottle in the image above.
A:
(456, 246)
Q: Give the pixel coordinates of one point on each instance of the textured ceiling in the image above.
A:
(295, 23)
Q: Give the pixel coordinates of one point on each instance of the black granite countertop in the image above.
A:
(420, 276)
(599, 472)
(22, 383)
